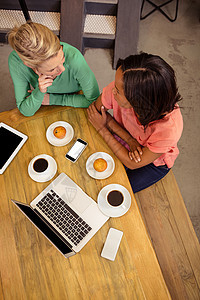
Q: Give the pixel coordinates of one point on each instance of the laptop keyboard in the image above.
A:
(65, 218)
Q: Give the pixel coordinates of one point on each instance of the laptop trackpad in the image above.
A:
(71, 193)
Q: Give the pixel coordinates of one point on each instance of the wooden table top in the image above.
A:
(31, 267)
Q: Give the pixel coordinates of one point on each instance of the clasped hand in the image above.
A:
(97, 119)
(136, 150)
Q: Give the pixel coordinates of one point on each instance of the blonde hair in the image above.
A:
(34, 43)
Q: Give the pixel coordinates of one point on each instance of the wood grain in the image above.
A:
(31, 268)
(173, 237)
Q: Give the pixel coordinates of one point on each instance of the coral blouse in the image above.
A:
(160, 136)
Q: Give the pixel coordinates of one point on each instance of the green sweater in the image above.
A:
(77, 76)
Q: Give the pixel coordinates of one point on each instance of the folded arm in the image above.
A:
(102, 125)
(74, 100)
(114, 127)
(28, 103)
(86, 81)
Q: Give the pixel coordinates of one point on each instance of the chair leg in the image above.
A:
(25, 10)
(152, 11)
(158, 7)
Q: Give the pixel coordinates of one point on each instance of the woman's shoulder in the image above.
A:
(71, 52)
(109, 87)
(107, 91)
(172, 118)
(171, 124)
(74, 60)
(175, 117)
(14, 57)
(15, 63)
(107, 95)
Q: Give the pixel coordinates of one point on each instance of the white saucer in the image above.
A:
(100, 175)
(46, 175)
(106, 208)
(59, 142)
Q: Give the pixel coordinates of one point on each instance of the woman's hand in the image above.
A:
(29, 91)
(45, 100)
(44, 81)
(98, 120)
(136, 150)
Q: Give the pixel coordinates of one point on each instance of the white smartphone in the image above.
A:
(76, 150)
(112, 244)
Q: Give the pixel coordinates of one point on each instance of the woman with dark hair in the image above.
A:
(146, 123)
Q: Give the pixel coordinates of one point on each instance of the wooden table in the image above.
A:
(31, 268)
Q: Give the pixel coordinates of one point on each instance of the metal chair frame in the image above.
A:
(159, 8)
(25, 10)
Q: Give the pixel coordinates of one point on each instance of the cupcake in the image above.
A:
(100, 164)
(59, 132)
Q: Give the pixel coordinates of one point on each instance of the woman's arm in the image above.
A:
(86, 80)
(99, 122)
(114, 127)
(90, 91)
(27, 103)
(74, 100)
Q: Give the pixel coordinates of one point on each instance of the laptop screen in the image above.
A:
(44, 228)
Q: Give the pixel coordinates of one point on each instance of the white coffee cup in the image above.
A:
(40, 166)
(115, 199)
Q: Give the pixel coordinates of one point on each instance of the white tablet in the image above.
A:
(11, 141)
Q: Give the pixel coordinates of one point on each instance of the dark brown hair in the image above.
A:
(149, 86)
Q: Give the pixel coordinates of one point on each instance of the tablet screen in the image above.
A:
(11, 142)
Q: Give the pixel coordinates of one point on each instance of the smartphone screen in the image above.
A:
(76, 150)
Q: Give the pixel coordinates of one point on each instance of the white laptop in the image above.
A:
(65, 214)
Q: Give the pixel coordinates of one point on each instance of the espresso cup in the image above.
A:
(40, 166)
(115, 198)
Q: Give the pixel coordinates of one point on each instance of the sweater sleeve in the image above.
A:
(27, 103)
(73, 100)
(86, 80)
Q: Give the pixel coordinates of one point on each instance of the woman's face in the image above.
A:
(53, 66)
(118, 90)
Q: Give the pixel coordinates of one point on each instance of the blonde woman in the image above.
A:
(46, 71)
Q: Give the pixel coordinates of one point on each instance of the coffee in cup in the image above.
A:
(40, 165)
(115, 198)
